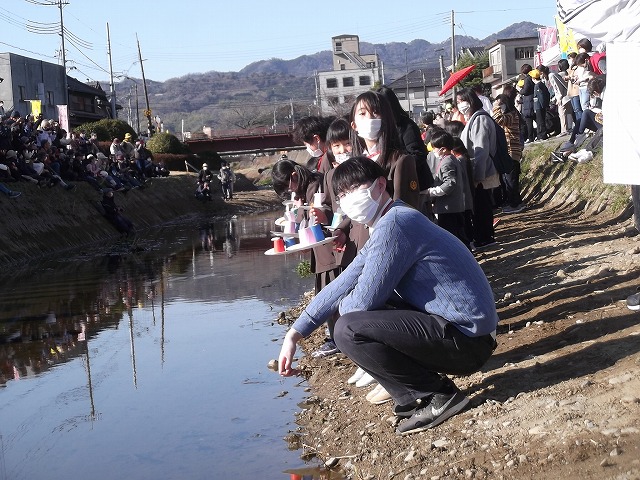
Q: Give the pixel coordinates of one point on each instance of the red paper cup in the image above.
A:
(278, 245)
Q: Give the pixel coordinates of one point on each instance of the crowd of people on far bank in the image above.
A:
(37, 150)
(406, 300)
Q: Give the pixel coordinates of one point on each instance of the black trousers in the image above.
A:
(531, 133)
(454, 223)
(405, 350)
(482, 215)
(541, 126)
(511, 182)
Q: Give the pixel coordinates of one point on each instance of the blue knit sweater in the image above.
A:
(422, 263)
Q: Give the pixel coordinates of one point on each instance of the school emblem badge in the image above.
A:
(413, 185)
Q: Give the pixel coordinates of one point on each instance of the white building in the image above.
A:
(506, 56)
(352, 74)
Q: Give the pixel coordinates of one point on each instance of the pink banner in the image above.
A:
(548, 37)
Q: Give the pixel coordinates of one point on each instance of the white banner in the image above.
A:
(620, 107)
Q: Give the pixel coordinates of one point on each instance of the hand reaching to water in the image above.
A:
(287, 353)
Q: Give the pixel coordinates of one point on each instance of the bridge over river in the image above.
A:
(245, 142)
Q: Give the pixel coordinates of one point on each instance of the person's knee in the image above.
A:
(343, 332)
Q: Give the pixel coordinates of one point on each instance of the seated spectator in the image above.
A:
(7, 191)
(115, 147)
(127, 147)
(143, 161)
(591, 117)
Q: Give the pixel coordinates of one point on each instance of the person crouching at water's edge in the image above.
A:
(443, 319)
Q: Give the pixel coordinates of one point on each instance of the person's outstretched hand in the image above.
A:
(287, 352)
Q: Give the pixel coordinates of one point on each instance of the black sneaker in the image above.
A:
(406, 411)
(441, 407)
(327, 349)
(633, 301)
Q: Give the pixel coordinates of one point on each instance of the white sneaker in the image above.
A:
(356, 376)
(365, 380)
(378, 395)
(374, 392)
(586, 156)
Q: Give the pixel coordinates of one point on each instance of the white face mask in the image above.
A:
(315, 152)
(464, 107)
(359, 205)
(342, 157)
(368, 128)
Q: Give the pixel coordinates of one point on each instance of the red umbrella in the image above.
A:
(455, 78)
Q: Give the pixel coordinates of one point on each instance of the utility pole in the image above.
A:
(441, 72)
(424, 93)
(318, 98)
(130, 116)
(112, 87)
(406, 77)
(453, 50)
(293, 121)
(147, 112)
(137, 110)
(64, 66)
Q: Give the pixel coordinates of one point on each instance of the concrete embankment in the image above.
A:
(43, 221)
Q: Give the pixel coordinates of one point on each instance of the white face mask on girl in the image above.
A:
(464, 107)
(342, 157)
(359, 205)
(368, 128)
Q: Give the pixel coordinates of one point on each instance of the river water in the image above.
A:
(149, 360)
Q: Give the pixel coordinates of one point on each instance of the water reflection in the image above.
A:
(149, 362)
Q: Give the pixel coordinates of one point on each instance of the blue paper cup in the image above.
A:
(317, 232)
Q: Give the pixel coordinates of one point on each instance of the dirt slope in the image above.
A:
(560, 397)
(47, 221)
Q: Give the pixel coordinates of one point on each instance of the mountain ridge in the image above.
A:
(265, 89)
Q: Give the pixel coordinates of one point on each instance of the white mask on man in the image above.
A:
(359, 205)
(315, 152)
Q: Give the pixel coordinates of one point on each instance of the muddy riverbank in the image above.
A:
(49, 221)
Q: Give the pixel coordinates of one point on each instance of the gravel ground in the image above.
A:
(560, 397)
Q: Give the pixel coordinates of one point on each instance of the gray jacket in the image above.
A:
(447, 192)
(479, 136)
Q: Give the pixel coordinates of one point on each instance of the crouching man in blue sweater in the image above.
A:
(414, 304)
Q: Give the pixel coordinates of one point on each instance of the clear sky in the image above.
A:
(196, 36)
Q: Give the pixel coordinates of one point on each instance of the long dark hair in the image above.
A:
(394, 103)
(388, 142)
(468, 95)
(281, 177)
(506, 100)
